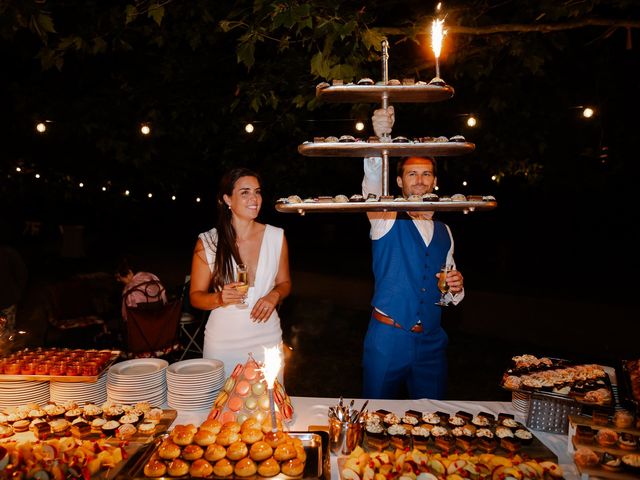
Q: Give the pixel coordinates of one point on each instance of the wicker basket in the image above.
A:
(549, 413)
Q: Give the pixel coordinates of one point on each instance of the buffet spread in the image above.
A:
(327, 438)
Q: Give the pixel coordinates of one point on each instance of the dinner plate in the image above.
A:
(138, 367)
(195, 367)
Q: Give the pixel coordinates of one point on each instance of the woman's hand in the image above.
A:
(230, 294)
(264, 307)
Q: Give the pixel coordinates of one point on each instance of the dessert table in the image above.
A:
(312, 411)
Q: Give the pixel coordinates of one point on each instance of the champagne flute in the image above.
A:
(443, 286)
(242, 277)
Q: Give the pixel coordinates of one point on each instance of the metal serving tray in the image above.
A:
(375, 149)
(396, 93)
(389, 206)
(317, 465)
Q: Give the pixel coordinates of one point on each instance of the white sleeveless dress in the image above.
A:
(230, 335)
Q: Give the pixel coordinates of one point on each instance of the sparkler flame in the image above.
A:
(437, 33)
(272, 364)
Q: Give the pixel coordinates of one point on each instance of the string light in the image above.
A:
(464, 183)
(149, 195)
(37, 175)
(41, 127)
(18, 169)
(249, 128)
(127, 193)
(104, 189)
(494, 177)
(198, 199)
(145, 129)
(472, 121)
(173, 197)
(588, 112)
(359, 126)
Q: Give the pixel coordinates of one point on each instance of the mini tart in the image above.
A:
(146, 428)
(610, 462)
(113, 412)
(524, 436)
(72, 414)
(59, 426)
(585, 457)
(21, 425)
(626, 441)
(91, 411)
(126, 431)
(6, 431)
(37, 413)
(606, 437)
(110, 427)
(131, 418)
(97, 423)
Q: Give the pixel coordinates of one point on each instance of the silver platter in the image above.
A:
(374, 93)
(375, 149)
(387, 206)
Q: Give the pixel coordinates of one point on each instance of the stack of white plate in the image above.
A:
(521, 401)
(138, 380)
(20, 392)
(194, 384)
(80, 392)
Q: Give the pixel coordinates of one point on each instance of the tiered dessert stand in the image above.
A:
(384, 147)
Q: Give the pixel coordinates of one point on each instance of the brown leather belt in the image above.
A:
(417, 328)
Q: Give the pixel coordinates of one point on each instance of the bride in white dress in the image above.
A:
(233, 330)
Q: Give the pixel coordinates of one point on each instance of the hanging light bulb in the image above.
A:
(588, 112)
(472, 121)
(81, 185)
(173, 197)
(104, 189)
(127, 193)
(149, 195)
(359, 126)
(198, 199)
(41, 127)
(18, 169)
(37, 175)
(249, 128)
(145, 129)
(464, 183)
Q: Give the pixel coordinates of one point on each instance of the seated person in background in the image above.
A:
(139, 288)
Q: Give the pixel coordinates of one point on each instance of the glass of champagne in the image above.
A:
(242, 277)
(443, 286)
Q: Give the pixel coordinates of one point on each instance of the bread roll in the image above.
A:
(211, 425)
(178, 468)
(169, 450)
(269, 468)
(200, 468)
(231, 426)
(260, 451)
(215, 452)
(155, 468)
(182, 437)
(227, 437)
(245, 467)
(275, 438)
(192, 452)
(237, 450)
(251, 435)
(284, 451)
(223, 468)
(293, 467)
(250, 423)
(204, 438)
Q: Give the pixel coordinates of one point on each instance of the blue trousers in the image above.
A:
(394, 357)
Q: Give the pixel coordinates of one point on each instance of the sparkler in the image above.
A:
(272, 364)
(437, 34)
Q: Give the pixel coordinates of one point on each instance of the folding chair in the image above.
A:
(191, 323)
(153, 331)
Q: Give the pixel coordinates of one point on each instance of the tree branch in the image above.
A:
(521, 27)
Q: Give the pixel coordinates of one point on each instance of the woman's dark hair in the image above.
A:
(123, 267)
(227, 248)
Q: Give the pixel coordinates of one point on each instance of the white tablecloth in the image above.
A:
(313, 411)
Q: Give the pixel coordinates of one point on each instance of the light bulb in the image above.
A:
(471, 121)
(588, 112)
(41, 127)
(359, 126)
(249, 128)
(145, 129)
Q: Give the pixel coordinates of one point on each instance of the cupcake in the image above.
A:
(91, 411)
(97, 423)
(130, 418)
(623, 419)
(113, 412)
(375, 434)
(72, 414)
(524, 436)
(59, 426)
(606, 437)
(431, 418)
(420, 436)
(399, 436)
(109, 428)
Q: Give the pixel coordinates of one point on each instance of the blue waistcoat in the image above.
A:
(406, 286)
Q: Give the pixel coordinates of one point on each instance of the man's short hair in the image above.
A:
(403, 160)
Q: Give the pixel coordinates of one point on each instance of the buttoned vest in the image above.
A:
(406, 286)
